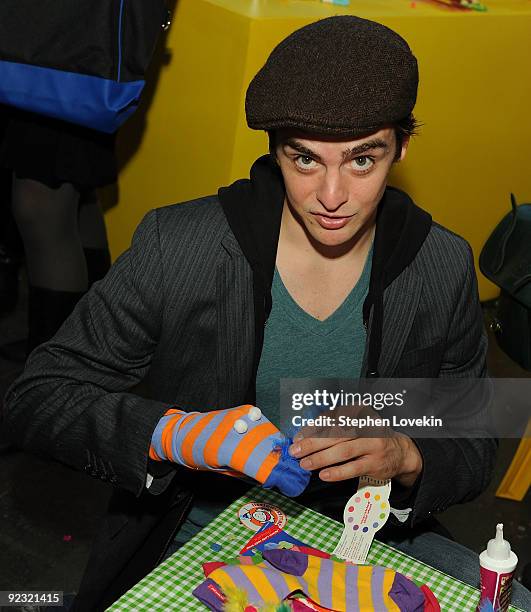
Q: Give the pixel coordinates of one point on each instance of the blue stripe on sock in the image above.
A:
(324, 583)
(351, 588)
(304, 585)
(277, 581)
(257, 457)
(232, 440)
(179, 435)
(377, 588)
(242, 581)
(156, 438)
(208, 432)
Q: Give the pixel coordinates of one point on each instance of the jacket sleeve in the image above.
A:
(457, 470)
(73, 400)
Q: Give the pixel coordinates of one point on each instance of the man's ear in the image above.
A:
(400, 155)
(272, 137)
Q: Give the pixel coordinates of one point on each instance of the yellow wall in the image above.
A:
(474, 97)
(186, 122)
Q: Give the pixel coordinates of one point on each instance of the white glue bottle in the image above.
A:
(497, 565)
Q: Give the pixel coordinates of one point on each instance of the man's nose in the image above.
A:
(332, 192)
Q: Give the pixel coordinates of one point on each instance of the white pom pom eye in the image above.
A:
(240, 426)
(255, 414)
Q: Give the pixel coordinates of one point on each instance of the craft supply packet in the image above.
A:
(271, 536)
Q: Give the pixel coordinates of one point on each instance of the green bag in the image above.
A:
(506, 261)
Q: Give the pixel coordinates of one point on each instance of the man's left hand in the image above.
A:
(337, 459)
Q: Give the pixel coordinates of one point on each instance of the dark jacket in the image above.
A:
(183, 311)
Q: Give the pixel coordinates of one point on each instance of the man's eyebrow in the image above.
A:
(300, 148)
(375, 143)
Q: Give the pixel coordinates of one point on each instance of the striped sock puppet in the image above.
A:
(237, 441)
(332, 585)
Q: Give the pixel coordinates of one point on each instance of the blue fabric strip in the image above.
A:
(156, 438)
(201, 440)
(351, 588)
(324, 584)
(233, 439)
(377, 588)
(94, 102)
(243, 582)
(179, 433)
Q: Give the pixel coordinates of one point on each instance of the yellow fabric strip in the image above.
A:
(292, 582)
(364, 588)
(221, 577)
(389, 576)
(311, 575)
(258, 577)
(339, 594)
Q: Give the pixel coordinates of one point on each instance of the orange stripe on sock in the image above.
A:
(152, 452)
(173, 411)
(167, 433)
(187, 444)
(153, 455)
(267, 466)
(211, 450)
(249, 442)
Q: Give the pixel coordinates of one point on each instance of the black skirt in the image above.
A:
(54, 152)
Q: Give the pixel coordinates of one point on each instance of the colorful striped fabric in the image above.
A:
(332, 584)
(237, 441)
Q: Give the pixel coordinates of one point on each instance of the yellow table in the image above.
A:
(474, 99)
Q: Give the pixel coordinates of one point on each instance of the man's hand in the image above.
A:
(395, 457)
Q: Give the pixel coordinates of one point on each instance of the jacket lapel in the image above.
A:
(235, 322)
(401, 301)
(253, 209)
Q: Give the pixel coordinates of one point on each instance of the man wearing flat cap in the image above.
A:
(313, 267)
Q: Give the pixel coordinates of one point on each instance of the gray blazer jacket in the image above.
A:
(176, 312)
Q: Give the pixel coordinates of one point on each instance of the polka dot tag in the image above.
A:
(365, 513)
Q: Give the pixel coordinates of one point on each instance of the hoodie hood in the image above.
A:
(253, 208)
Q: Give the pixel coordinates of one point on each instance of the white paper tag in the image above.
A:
(366, 512)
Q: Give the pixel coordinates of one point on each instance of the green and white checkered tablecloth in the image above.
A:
(169, 586)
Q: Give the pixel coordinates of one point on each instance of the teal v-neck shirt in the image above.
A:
(297, 345)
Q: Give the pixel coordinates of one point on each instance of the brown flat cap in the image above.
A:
(341, 75)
